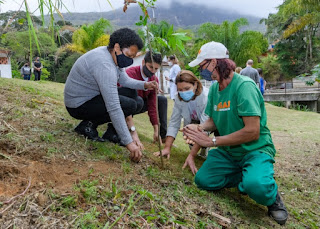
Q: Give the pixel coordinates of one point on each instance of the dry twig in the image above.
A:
(21, 194)
(9, 126)
(223, 221)
(1, 213)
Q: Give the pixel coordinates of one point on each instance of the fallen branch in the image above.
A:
(5, 156)
(9, 126)
(223, 221)
(21, 194)
(1, 213)
(8, 111)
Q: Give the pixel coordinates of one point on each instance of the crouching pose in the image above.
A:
(189, 104)
(245, 152)
(91, 93)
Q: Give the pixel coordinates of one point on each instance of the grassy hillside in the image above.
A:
(67, 181)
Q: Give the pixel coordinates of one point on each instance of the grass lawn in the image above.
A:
(67, 181)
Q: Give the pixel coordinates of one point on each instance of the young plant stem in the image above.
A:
(124, 213)
(157, 107)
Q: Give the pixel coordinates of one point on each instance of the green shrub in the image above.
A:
(271, 68)
(65, 67)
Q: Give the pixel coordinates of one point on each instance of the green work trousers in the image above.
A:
(253, 174)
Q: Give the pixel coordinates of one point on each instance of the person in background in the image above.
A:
(238, 70)
(174, 70)
(26, 71)
(251, 72)
(91, 92)
(37, 68)
(146, 100)
(245, 152)
(189, 105)
(263, 83)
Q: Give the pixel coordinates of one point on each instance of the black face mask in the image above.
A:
(147, 72)
(124, 61)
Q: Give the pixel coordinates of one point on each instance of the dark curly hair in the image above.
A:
(224, 67)
(157, 58)
(125, 37)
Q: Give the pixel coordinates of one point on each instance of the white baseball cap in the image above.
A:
(211, 50)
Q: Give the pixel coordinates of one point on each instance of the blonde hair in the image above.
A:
(188, 77)
(238, 69)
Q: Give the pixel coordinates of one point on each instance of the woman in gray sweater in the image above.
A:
(91, 93)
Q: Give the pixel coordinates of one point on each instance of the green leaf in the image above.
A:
(149, 194)
(21, 21)
(179, 222)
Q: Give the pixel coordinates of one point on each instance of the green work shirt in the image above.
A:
(240, 98)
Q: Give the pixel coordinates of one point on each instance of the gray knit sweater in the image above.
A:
(95, 73)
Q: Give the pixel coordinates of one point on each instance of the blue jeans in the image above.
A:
(26, 77)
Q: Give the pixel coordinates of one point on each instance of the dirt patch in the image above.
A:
(58, 175)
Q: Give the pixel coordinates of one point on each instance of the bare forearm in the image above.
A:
(155, 128)
(237, 138)
(208, 125)
(194, 150)
(169, 142)
(129, 120)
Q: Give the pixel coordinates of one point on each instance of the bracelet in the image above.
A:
(214, 140)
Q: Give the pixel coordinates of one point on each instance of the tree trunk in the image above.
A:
(310, 44)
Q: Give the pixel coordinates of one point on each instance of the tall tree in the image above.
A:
(18, 42)
(296, 26)
(16, 21)
(248, 45)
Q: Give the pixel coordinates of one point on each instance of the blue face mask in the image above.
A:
(124, 61)
(186, 95)
(206, 74)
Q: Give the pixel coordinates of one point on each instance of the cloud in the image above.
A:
(251, 7)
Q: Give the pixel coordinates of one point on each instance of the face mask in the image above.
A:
(147, 72)
(186, 95)
(170, 64)
(206, 74)
(124, 61)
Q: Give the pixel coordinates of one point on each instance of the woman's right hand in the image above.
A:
(135, 152)
(190, 162)
(165, 152)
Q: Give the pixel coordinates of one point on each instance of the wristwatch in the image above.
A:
(132, 129)
(214, 140)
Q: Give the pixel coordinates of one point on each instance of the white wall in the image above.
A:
(5, 71)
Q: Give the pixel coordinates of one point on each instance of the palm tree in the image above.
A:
(297, 19)
(248, 45)
(90, 36)
(306, 18)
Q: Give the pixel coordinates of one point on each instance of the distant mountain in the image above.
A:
(180, 15)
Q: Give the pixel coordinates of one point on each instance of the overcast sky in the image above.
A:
(260, 8)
